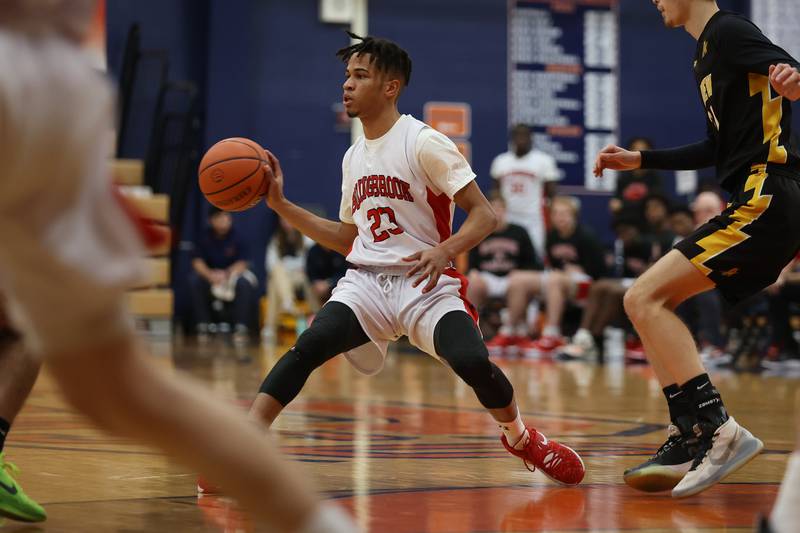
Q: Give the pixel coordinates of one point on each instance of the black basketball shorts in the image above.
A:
(744, 249)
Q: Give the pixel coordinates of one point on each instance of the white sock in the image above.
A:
(506, 330)
(515, 431)
(551, 331)
(329, 518)
(786, 513)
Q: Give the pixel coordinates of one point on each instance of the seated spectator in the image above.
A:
(681, 222)
(706, 206)
(286, 274)
(220, 272)
(784, 306)
(631, 257)
(571, 246)
(634, 185)
(576, 257)
(656, 209)
(495, 260)
(324, 269)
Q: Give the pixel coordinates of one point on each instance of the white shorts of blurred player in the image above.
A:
(68, 249)
(388, 307)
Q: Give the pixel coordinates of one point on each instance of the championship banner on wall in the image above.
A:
(563, 60)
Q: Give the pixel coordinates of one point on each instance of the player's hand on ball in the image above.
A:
(429, 264)
(785, 79)
(274, 175)
(615, 158)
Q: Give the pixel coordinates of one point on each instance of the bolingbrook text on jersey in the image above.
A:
(380, 186)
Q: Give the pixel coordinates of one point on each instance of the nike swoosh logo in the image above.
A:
(701, 387)
(671, 396)
(11, 489)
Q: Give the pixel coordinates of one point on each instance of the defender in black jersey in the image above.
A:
(746, 85)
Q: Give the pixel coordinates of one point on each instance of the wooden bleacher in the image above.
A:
(153, 299)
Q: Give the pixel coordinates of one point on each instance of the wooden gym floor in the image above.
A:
(408, 451)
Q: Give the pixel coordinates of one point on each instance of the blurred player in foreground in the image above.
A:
(69, 250)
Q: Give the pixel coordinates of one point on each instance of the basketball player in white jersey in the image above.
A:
(399, 185)
(526, 178)
(69, 250)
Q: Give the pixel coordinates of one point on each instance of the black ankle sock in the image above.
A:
(705, 400)
(4, 428)
(680, 408)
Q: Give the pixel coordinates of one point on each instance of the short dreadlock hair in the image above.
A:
(385, 54)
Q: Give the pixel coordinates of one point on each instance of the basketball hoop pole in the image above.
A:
(358, 25)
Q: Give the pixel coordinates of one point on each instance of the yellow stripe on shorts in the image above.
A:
(723, 240)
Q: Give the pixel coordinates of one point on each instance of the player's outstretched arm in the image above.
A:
(690, 157)
(480, 222)
(785, 79)
(613, 157)
(337, 236)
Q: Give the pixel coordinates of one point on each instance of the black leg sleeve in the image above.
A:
(334, 330)
(458, 342)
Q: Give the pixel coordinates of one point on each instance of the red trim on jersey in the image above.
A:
(441, 212)
(462, 292)
(150, 231)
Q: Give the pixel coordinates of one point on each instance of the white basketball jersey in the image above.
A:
(521, 179)
(398, 191)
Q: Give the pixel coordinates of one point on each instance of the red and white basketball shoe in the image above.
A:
(204, 486)
(634, 352)
(547, 344)
(500, 344)
(556, 461)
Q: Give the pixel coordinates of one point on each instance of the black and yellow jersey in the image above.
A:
(748, 123)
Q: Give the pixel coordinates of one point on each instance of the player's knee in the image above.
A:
(311, 341)
(287, 378)
(637, 302)
(90, 393)
(472, 366)
(107, 382)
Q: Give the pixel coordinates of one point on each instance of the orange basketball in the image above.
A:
(231, 174)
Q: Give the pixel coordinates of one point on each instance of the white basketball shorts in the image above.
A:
(387, 307)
